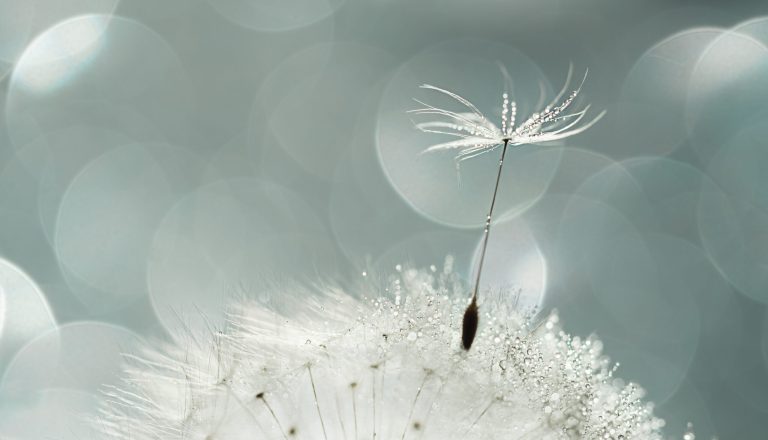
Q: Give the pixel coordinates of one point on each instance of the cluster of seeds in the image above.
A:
(384, 365)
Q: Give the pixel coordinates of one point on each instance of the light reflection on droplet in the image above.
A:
(429, 182)
(24, 310)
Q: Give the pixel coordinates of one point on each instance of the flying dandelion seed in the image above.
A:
(478, 135)
(334, 366)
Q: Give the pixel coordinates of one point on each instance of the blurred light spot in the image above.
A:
(81, 356)
(514, 266)
(57, 158)
(92, 53)
(58, 412)
(652, 103)
(22, 20)
(230, 238)
(429, 182)
(316, 116)
(24, 310)
(728, 89)
(616, 187)
(733, 221)
(606, 276)
(108, 217)
(57, 55)
(576, 166)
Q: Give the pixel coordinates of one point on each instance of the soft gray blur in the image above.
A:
(158, 158)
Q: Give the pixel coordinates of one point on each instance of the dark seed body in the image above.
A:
(469, 325)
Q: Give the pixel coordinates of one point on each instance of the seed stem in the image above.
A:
(487, 230)
(471, 316)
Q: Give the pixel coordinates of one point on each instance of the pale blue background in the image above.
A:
(160, 157)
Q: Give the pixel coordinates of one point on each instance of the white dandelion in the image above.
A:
(385, 362)
(478, 135)
(385, 365)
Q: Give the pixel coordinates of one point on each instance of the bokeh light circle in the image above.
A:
(733, 218)
(514, 265)
(652, 104)
(607, 276)
(429, 182)
(22, 20)
(108, 216)
(84, 355)
(229, 238)
(85, 83)
(57, 158)
(365, 214)
(24, 310)
(59, 411)
(302, 111)
(728, 89)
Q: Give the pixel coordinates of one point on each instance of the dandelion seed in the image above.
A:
(478, 135)
(366, 377)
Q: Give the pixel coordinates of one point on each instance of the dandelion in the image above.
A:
(478, 135)
(385, 364)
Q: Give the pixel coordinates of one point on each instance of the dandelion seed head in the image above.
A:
(369, 366)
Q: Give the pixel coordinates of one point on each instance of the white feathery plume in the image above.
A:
(386, 365)
(478, 135)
